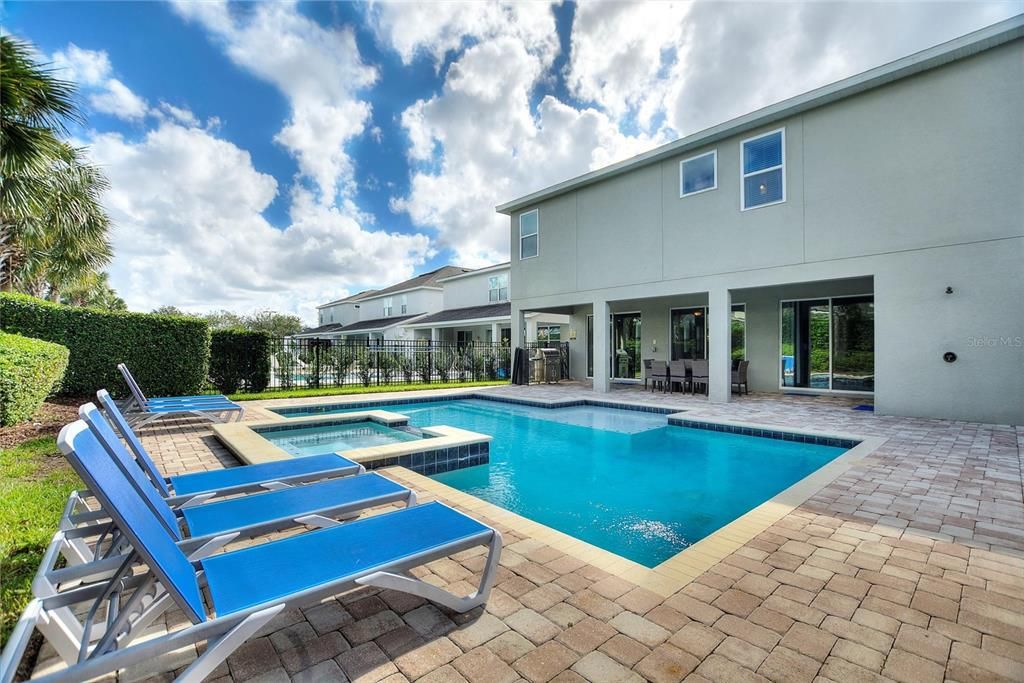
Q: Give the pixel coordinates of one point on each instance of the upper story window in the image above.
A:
(529, 234)
(405, 304)
(388, 307)
(763, 169)
(497, 288)
(698, 174)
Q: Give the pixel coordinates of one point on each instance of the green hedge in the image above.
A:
(169, 355)
(239, 359)
(29, 370)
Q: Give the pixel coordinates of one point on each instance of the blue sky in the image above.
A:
(280, 155)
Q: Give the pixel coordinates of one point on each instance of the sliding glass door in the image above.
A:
(625, 360)
(853, 343)
(827, 344)
(689, 332)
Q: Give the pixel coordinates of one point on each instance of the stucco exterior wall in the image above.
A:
(469, 290)
(418, 301)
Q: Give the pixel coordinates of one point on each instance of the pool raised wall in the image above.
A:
(440, 448)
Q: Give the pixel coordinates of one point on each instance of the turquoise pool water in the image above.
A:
(318, 439)
(622, 480)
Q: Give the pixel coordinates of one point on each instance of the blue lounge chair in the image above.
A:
(246, 588)
(211, 408)
(319, 504)
(139, 397)
(197, 487)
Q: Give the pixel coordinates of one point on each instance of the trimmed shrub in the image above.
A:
(239, 359)
(30, 369)
(168, 354)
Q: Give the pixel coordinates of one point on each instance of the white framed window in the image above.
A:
(698, 174)
(549, 333)
(405, 304)
(497, 288)
(763, 170)
(529, 234)
(388, 305)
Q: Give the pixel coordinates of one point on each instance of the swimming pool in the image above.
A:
(317, 439)
(622, 480)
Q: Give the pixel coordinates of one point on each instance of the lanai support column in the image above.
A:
(495, 333)
(601, 346)
(720, 345)
(518, 327)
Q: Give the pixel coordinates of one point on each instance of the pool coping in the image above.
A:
(244, 440)
(676, 572)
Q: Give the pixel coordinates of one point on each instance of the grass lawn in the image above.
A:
(359, 389)
(35, 482)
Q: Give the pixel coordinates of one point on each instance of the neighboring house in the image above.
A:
(477, 309)
(448, 304)
(866, 238)
(382, 313)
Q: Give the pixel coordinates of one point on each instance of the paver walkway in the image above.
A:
(909, 567)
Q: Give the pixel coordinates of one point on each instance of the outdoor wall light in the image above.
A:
(654, 345)
(949, 357)
(949, 290)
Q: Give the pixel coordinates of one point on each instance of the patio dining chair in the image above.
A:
(246, 588)
(657, 373)
(739, 377)
(699, 374)
(678, 373)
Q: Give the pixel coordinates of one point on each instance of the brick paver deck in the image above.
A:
(909, 567)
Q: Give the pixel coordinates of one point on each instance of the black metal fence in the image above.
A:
(319, 363)
(310, 363)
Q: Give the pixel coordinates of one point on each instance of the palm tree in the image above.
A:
(53, 230)
(66, 241)
(94, 291)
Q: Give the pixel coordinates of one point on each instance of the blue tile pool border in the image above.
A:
(819, 440)
(767, 433)
(284, 411)
(439, 460)
(326, 422)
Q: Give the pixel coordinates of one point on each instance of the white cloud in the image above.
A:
(118, 100)
(91, 69)
(182, 115)
(437, 28)
(318, 69)
(188, 206)
(619, 52)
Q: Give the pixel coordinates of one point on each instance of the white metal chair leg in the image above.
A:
(430, 592)
(219, 650)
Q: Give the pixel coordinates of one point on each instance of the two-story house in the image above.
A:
(383, 313)
(450, 304)
(864, 238)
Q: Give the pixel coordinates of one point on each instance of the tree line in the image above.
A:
(272, 322)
